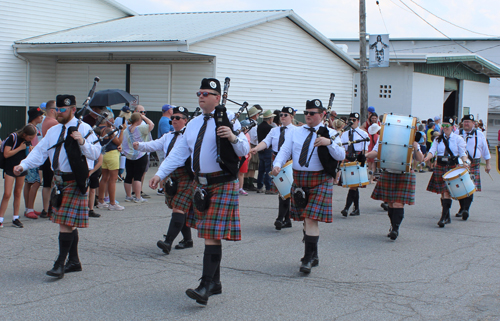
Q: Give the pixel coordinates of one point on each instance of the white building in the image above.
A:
(274, 58)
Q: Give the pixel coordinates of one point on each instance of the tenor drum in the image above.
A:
(459, 183)
(354, 175)
(284, 180)
(396, 143)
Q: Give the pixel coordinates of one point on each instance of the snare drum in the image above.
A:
(354, 175)
(396, 143)
(284, 180)
(459, 183)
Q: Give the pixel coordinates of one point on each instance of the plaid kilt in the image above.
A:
(222, 219)
(74, 210)
(436, 183)
(183, 199)
(319, 206)
(475, 169)
(253, 162)
(395, 188)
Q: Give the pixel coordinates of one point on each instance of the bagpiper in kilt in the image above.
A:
(354, 152)
(275, 139)
(477, 147)
(396, 189)
(215, 197)
(312, 187)
(448, 147)
(178, 185)
(69, 202)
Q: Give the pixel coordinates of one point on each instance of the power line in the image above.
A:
(451, 23)
(383, 20)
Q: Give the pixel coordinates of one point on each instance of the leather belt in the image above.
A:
(207, 181)
(66, 176)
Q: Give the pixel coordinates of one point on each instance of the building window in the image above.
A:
(385, 91)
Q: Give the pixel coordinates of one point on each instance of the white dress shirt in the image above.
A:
(456, 143)
(184, 147)
(272, 139)
(160, 143)
(293, 147)
(41, 151)
(357, 135)
(482, 145)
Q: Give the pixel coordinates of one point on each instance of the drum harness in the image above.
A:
(449, 158)
(469, 135)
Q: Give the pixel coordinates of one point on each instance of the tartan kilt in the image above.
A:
(436, 183)
(253, 162)
(183, 199)
(222, 219)
(475, 169)
(395, 188)
(319, 205)
(74, 209)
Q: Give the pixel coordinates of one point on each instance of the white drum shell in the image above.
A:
(284, 180)
(354, 175)
(459, 183)
(395, 143)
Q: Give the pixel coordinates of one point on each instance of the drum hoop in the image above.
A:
(456, 176)
(355, 185)
(290, 162)
(287, 196)
(351, 164)
(466, 195)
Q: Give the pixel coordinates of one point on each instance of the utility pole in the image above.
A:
(363, 101)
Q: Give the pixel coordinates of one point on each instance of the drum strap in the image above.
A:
(473, 132)
(447, 146)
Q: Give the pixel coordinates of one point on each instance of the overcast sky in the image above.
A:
(339, 18)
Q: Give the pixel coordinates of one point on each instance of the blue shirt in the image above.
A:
(164, 126)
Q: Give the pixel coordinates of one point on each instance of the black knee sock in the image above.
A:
(350, 198)
(310, 247)
(284, 209)
(398, 215)
(390, 212)
(73, 251)
(186, 233)
(211, 260)
(467, 202)
(356, 199)
(65, 241)
(176, 223)
(216, 277)
(446, 205)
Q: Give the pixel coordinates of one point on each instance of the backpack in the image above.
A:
(2, 158)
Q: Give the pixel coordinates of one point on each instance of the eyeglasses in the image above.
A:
(284, 115)
(142, 112)
(312, 113)
(353, 119)
(61, 110)
(446, 125)
(205, 94)
(178, 117)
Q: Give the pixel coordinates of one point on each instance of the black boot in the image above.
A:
(216, 286)
(73, 264)
(177, 221)
(466, 207)
(211, 261)
(460, 212)
(445, 214)
(187, 239)
(65, 241)
(309, 248)
(251, 186)
(397, 217)
(348, 202)
(385, 206)
(201, 293)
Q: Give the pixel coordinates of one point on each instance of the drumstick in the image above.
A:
(490, 176)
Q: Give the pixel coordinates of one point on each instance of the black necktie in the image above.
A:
(282, 137)
(197, 145)
(60, 141)
(172, 142)
(305, 147)
(350, 148)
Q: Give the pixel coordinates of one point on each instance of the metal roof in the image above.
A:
(121, 7)
(168, 29)
(423, 39)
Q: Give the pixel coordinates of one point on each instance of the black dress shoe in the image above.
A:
(57, 271)
(44, 214)
(305, 267)
(278, 224)
(465, 215)
(385, 206)
(184, 244)
(94, 214)
(442, 222)
(344, 212)
(459, 214)
(215, 288)
(355, 213)
(287, 224)
(165, 246)
(72, 266)
(251, 188)
(393, 235)
(200, 294)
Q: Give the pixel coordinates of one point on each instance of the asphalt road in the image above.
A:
(428, 273)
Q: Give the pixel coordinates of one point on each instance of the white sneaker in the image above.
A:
(116, 207)
(129, 199)
(102, 205)
(140, 200)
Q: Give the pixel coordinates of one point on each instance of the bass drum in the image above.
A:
(395, 147)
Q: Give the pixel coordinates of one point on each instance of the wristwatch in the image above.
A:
(467, 162)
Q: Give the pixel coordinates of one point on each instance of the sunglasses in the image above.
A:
(61, 110)
(142, 112)
(446, 125)
(353, 119)
(312, 113)
(284, 115)
(205, 94)
(178, 117)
